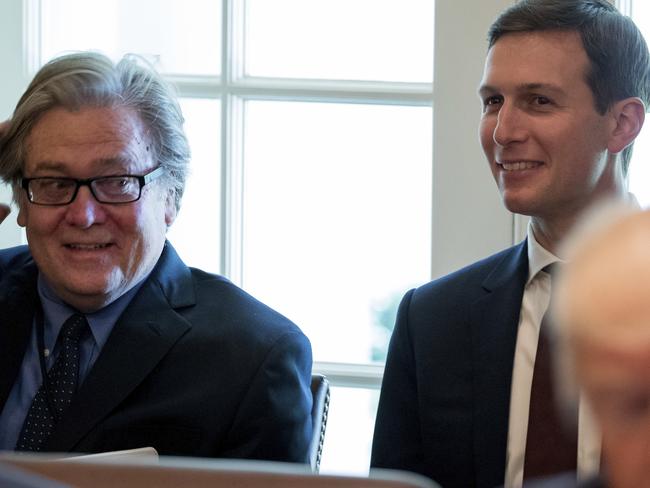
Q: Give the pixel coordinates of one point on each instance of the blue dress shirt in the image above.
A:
(55, 313)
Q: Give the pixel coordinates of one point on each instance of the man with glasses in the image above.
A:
(107, 340)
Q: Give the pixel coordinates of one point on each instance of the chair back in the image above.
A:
(320, 391)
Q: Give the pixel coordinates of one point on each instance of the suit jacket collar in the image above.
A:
(174, 279)
(513, 266)
(495, 318)
(145, 332)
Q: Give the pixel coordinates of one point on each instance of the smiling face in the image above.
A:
(91, 253)
(546, 144)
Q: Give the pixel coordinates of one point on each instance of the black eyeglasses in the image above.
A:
(105, 189)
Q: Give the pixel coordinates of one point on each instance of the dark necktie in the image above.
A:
(549, 447)
(57, 390)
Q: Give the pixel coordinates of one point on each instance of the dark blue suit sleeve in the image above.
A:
(397, 442)
(274, 419)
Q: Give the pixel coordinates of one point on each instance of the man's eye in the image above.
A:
(117, 184)
(120, 182)
(541, 100)
(53, 184)
(493, 100)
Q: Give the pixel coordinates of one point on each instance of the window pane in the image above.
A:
(390, 40)
(337, 217)
(184, 37)
(195, 234)
(641, 16)
(639, 167)
(348, 435)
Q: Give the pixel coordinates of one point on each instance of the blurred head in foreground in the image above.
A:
(603, 312)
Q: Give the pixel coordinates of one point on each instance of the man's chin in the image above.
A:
(517, 206)
(89, 296)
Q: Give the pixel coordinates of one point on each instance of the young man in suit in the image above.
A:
(156, 353)
(563, 94)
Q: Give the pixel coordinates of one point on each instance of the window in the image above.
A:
(639, 173)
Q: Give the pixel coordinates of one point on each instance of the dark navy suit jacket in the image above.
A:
(194, 366)
(445, 398)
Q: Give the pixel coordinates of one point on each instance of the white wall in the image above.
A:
(468, 219)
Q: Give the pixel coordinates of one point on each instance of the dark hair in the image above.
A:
(618, 54)
(91, 79)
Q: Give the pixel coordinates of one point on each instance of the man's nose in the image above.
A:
(84, 210)
(510, 126)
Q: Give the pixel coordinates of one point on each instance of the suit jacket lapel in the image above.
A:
(142, 336)
(495, 319)
(18, 303)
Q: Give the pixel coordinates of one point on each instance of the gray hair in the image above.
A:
(74, 81)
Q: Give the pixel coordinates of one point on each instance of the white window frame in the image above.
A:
(624, 6)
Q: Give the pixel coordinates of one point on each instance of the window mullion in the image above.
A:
(420, 94)
(32, 29)
(625, 6)
(232, 123)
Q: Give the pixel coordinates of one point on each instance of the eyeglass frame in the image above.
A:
(141, 179)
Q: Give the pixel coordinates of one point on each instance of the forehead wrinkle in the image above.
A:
(128, 131)
(528, 87)
(59, 166)
(524, 88)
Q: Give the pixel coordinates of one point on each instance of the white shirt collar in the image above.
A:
(538, 256)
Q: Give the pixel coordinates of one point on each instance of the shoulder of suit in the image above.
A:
(13, 257)
(473, 274)
(225, 298)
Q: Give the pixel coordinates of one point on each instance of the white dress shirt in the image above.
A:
(536, 299)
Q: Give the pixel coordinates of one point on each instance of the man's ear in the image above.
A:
(628, 116)
(170, 208)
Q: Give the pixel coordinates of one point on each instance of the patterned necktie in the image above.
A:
(549, 448)
(57, 390)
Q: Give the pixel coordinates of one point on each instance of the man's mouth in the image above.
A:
(87, 247)
(518, 165)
